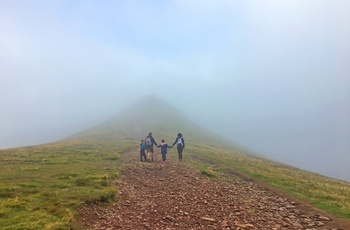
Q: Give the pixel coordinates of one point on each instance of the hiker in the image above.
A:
(180, 145)
(164, 149)
(142, 150)
(149, 141)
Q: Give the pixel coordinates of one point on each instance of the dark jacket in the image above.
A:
(153, 141)
(164, 148)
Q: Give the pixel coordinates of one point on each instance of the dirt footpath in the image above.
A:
(170, 195)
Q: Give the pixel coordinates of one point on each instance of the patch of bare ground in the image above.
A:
(171, 195)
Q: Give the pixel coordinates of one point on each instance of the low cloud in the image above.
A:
(271, 75)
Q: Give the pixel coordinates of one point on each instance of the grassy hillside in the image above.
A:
(322, 192)
(41, 186)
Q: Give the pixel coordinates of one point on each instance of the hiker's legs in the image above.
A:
(148, 156)
(164, 156)
(179, 152)
(152, 151)
(143, 155)
(149, 150)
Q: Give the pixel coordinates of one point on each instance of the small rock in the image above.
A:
(170, 218)
(324, 218)
(207, 219)
(319, 223)
(241, 225)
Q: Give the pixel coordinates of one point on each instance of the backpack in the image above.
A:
(179, 141)
(148, 141)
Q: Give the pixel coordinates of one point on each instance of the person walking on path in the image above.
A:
(149, 141)
(142, 150)
(180, 145)
(164, 149)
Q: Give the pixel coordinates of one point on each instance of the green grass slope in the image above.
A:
(42, 186)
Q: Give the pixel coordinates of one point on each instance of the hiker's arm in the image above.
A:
(183, 141)
(174, 142)
(154, 141)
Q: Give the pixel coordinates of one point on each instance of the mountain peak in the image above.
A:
(150, 114)
(151, 98)
(152, 106)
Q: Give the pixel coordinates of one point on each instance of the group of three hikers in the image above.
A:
(147, 146)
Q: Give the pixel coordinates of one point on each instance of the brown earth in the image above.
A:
(156, 195)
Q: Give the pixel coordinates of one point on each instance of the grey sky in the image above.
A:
(272, 75)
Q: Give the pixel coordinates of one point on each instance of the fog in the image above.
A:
(273, 76)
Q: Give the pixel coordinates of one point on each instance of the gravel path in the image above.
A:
(171, 195)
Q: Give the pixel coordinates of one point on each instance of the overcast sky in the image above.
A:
(271, 75)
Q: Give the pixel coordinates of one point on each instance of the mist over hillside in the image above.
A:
(153, 114)
(272, 75)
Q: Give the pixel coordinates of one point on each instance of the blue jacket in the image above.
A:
(142, 146)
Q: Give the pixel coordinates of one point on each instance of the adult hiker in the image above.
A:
(180, 142)
(149, 141)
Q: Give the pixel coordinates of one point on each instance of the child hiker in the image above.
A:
(163, 149)
(143, 150)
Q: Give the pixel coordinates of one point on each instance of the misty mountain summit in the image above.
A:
(151, 114)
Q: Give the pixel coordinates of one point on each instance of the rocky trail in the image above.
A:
(156, 195)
